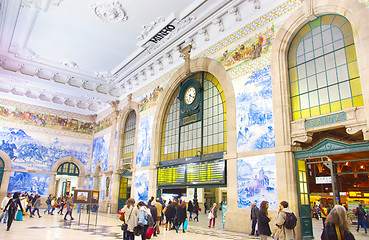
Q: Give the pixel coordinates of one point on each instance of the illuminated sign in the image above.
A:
(323, 180)
(209, 172)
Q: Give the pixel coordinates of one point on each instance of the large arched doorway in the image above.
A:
(66, 178)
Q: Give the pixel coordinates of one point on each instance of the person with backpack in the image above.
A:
(29, 203)
(12, 208)
(48, 203)
(36, 206)
(287, 221)
(143, 218)
(361, 221)
(3, 204)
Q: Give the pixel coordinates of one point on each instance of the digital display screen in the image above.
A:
(209, 172)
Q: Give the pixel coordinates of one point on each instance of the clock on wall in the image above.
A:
(190, 97)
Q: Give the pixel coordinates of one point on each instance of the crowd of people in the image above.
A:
(15, 206)
(143, 219)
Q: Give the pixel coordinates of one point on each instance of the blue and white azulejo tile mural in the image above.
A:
(39, 151)
(36, 183)
(141, 191)
(257, 181)
(144, 141)
(254, 108)
(100, 152)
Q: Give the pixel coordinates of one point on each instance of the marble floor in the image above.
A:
(108, 226)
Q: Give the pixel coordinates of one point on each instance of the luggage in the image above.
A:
(150, 231)
(19, 216)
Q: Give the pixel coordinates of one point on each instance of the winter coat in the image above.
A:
(196, 208)
(181, 214)
(131, 217)
(154, 212)
(329, 233)
(170, 212)
(70, 205)
(254, 212)
(190, 207)
(263, 221)
(159, 208)
(14, 210)
(288, 233)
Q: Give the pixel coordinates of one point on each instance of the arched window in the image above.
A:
(323, 69)
(69, 169)
(129, 135)
(204, 135)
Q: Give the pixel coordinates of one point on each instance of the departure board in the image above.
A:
(174, 175)
(207, 172)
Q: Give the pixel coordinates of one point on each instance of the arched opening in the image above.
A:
(193, 141)
(66, 178)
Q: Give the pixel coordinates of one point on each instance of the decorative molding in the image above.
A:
(204, 33)
(110, 11)
(170, 58)
(302, 138)
(220, 24)
(150, 27)
(236, 13)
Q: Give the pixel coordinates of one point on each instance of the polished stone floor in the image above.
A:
(108, 226)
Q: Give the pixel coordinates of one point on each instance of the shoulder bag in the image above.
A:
(124, 226)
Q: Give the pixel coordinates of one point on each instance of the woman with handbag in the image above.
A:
(143, 218)
(130, 213)
(213, 214)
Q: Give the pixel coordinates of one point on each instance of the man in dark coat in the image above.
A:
(254, 218)
(170, 212)
(154, 214)
(181, 214)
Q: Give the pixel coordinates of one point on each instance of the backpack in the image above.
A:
(291, 221)
(150, 220)
(13, 205)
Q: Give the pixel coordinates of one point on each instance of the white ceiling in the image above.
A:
(79, 55)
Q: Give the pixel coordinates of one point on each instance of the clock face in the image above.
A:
(190, 95)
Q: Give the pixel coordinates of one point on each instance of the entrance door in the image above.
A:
(1, 170)
(123, 192)
(304, 200)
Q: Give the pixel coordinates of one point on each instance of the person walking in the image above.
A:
(70, 206)
(29, 203)
(48, 203)
(323, 214)
(142, 220)
(130, 218)
(12, 207)
(159, 209)
(181, 214)
(213, 214)
(288, 233)
(337, 226)
(36, 206)
(196, 209)
(263, 221)
(170, 212)
(254, 218)
(3, 204)
(154, 215)
(62, 203)
(53, 205)
(361, 221)
(190, 209)
(205, 206)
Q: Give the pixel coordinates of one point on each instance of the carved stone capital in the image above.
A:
(353, 129)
